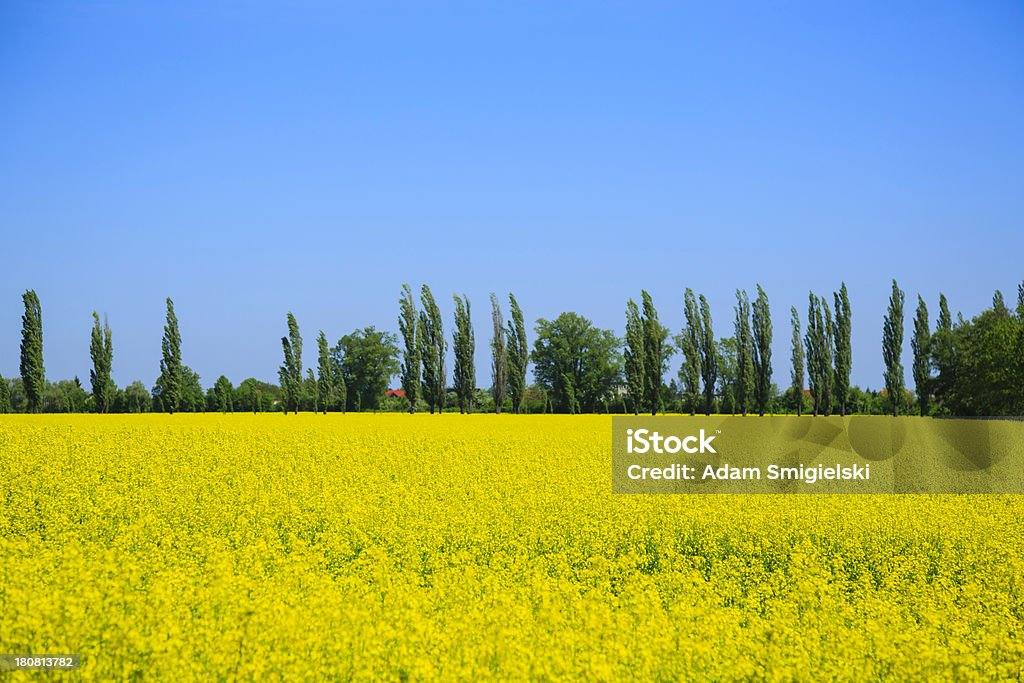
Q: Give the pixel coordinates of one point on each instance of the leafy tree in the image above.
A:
(464, 347)
(656, 353)
(727, 353)
(690, 341)
(843, 347)
(518, 356)
(193, 400)
(223, 395)
(919, 343)
(575, 362)
(942, 357)
(814, 342)
(290, 372)
(33, 376)
(136, 398)
(892, 348)
(796, 355)
(101, 350)
(168, 390)
(828, 371)
(407, 319)
(499, 355)
(432, 350)
(709, 356)
(326, 382)
(762, 330)
(634, 356)
(368, 359)
(744, 352)
(5, 396)
(65, 396)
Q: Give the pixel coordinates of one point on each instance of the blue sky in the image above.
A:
(248, 159)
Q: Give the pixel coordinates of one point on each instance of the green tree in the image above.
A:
(193, 400)
(169, 386)
(499, 355)
(762, 331)
(368, 359)
(5, 396)
(575, 362)
(136, 398)
(33, 376)
(326, 382)
(407, 320)
(828, 375)
(224, 395)
(815, 345)
(656, 353)
(919, 344)
(744, 352)
(689, 341)
(796, 355)
(634, 356)
(843, 347)
(464, 347)
(518, 356)
(101, 351)
(290, 372)
(709, 356)
(892, 348)
(432, 350)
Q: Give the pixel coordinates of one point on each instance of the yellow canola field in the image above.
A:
(397, 547)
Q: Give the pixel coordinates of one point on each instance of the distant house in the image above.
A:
(397, 393)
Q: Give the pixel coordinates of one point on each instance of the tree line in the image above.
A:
(964, 367)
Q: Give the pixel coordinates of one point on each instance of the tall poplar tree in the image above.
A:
(33, 376)
(689, 341)
(518, 356)
(892, 348)
(796, 355)
(942, 354)
(814, 343)
(655, 353)
(433, 347)
(101, 351)
(290, 372)
(828, 374)
(744, 352)
(171, 373)
(919, 344)
(411, 362)
(325, 381)
(762, 328)
(843, 347)
(634, 356)
(709, 356)
(499, 356)
(464, 347)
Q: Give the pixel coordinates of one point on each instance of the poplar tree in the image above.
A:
(171, 374)
(290, 372)
(814, 343)
(411, 364)
(762, 327)
(892, 348)
(325, 381)
(744, 352)
(797, 357)
(828, 375)
(634, 356)
(654, 349)
(709, 356)
(518, 356)
(690, 341)
(101, 351)
(432, 351)
(920, 344)
(33, 376)
(499, 355)
(941, 354)
(843, 347)
(464, 347)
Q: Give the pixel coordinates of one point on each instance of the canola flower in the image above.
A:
(397, 547)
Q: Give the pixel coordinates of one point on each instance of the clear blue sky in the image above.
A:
(249, 159)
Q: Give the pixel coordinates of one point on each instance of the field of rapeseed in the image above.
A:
(395, 547)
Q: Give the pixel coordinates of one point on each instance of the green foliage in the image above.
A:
(223, 395)
(5, 396)
(762, 348)
(134, 399)
(690, 341)
(101, 351)
(892, 347)
(432, 351)
(919, 344)
(169, 386)
(709, 355)
(656, 354)
(518, 356)
(818, 345)
(843, 347)
(33, 375)
(407, 325)
(367, 359)
(576, 363)
(634, 356)
(255, 396)
(326, 381)
(744, 380)
(796, 357)
(464, 347)
(499, 356)
(290, 372)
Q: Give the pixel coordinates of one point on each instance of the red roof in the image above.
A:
(400, 393)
